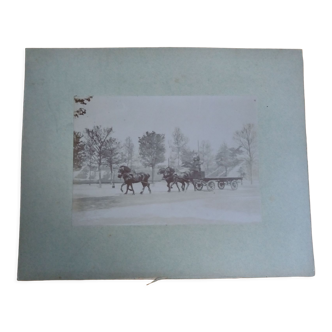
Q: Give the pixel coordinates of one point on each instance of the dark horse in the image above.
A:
(174, 178)
(170, 177)
(130, 178)
(186, 178)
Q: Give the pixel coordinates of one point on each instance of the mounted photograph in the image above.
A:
(168, 160)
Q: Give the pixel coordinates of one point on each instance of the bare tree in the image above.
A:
(205, 152)
(246, 138)
(112, 154)
(179, 143)
(97, 138)
(89, 156)
(128, 148)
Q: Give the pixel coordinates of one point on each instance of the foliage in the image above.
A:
(79, 151)
(227, 157)
(96, 140)
(187, 158)
(152, 149)
(81, 101)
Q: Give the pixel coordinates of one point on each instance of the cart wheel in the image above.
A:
(221, 185)
(234, 185)
(210, 185)
(199, 185)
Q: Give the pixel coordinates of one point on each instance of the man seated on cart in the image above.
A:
(197, 166)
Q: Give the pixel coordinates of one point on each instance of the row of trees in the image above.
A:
(182, 154)
(96, 147)
(243, 154)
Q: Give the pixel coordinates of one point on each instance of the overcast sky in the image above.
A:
(200, 118)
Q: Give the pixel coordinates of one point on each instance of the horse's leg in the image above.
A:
(148, 184)
(127, 189)
(169, 187)
(123, 184)
(143, 188)
(177, 185)
(188, 182)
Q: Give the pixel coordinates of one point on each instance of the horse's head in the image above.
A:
(123, 169)
(120, 171)
(170, 170)
(167, 174)
(126, 169)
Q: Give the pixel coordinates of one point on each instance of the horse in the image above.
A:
(173, 177)
(186, 178)
(127, 170)
(169, 177)
(130, 178)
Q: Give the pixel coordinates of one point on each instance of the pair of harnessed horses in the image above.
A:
(171, 178)
(168, 174)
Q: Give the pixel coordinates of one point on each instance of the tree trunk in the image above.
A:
(89, 175)
(250, 172)
(152, 177)
(112, 176)
(99, 171)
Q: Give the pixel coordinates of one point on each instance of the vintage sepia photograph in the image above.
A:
(175, 160)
